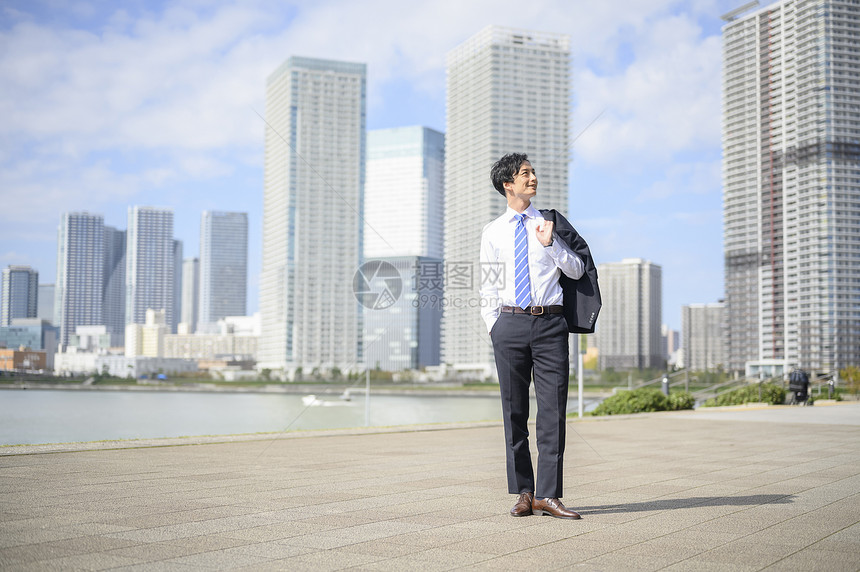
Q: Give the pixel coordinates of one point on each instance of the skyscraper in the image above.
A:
(508, 90)
(19, 294)
(177, 286)
(150, 264)
(312, 235)
(791, 178)
(628, 333)
(80, 273)
(113, 291)
(404, 194)
(403, 202)
(45, 309)
(223, 265)
(704, 344)
(190, 293)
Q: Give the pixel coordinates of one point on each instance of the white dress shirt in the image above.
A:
(545, 265)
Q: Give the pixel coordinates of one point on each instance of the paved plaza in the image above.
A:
(730, 489)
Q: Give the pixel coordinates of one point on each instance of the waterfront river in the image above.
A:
(62, 416)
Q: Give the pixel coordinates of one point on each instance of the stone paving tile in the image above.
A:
(34, 536)
(618, 561)
(446, 558)
(42, 551)
(747, 553)
(706, 566)
(280, 531)
(431, 561)
(225, 559)
(336, 559)
(162, 566)
(152, 552)
(86, 561)
(384, 548)
(825, 561)
(578, 549)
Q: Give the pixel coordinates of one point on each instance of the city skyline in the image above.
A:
(168, 110)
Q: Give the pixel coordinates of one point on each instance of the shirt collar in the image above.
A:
(530, 212)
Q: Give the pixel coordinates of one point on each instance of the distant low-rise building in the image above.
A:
(96, 339)
(209, 346)
(147, 339)
(84, 363)
(22, 360)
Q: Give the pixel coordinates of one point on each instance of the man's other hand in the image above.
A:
(544, 232)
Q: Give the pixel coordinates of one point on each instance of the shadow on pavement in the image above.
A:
(672, 504)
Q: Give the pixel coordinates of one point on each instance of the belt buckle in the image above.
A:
(536, 310)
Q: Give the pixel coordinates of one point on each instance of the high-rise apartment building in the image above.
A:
(190, 293)
(45, 310)
(80, 273)
(671, 342)
(704, 344)
(223, 265)
(19, 294)
(403, 208)
(150, 264)
(177, 285)
(404, 194)
(312, 230)
(791, 182)
(628, 333)
(113, 291)
(508, 91)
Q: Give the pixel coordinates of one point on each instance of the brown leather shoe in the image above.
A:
(552, 507)
(524, 505)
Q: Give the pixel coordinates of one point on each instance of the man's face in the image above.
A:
(525, 182)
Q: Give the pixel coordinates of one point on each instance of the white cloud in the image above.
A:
(689, 178)
(666, 101)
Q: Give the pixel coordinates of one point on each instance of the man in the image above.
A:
(524, 314)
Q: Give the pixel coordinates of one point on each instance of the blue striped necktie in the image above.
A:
(522, 284)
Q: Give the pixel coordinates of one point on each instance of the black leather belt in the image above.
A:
(533, 310)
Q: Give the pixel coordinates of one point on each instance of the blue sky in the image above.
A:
(107, 105)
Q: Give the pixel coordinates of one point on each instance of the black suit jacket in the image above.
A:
(582, 300)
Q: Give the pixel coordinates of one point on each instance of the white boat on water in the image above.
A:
(314, 401)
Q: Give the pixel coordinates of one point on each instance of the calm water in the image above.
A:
(57, 416)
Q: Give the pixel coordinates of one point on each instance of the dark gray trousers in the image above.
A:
(524, 345)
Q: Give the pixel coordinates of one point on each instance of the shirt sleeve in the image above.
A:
(567, 260)
(491, 272)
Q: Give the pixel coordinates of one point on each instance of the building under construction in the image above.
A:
(791, 184)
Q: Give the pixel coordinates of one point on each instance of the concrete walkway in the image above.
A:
(744, 489)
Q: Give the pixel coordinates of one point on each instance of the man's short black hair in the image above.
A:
(505, 169)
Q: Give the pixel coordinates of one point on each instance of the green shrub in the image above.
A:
(681, 400)
(642, 400)
(770, 393)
